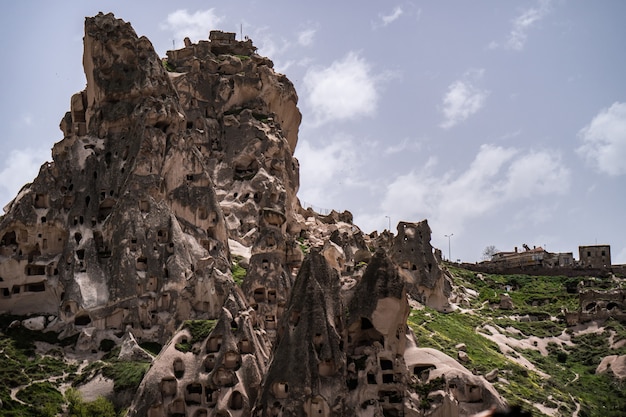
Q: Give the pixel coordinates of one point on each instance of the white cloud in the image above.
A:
(522, 24)
(196, 26)
(604, 140)
(305, 38)
(405, 144)
(269, 46)
(324, 167)
(394, 15)
(463, 99)
(498, 176)
(344, 90)
(20, 167)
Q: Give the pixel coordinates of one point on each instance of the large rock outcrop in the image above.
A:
(173, 172)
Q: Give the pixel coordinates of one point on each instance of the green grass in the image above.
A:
(199, 329)
(572, 369)
(238, 271)
(125, 375)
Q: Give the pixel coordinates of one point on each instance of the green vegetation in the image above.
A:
(77, 407)
(125, 375)
(303, 245)
(538, 304)
(238, 271)
(38, 377)
(199, 329)
(423, 389)
(169, 67)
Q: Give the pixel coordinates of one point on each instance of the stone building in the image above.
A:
(595, 256)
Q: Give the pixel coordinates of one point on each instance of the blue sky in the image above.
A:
(502, 123)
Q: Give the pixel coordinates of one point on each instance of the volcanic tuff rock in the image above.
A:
(170, 173)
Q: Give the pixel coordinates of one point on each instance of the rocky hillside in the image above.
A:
(162, 265)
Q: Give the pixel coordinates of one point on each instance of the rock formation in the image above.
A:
(170, 173)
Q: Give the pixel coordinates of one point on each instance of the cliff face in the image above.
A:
(170, 174)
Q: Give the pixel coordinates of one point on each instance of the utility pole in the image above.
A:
(449, 255)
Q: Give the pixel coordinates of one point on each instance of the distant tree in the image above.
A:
(489, 252)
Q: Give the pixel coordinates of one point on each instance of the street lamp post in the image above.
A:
(449, 255)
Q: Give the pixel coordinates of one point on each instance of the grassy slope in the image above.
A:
(572, 368)
(38, 378)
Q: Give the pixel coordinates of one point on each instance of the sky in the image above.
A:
(502, 123)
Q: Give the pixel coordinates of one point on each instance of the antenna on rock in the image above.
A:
(173, 43)
(241, 31)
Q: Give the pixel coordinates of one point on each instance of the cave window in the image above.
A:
(211, 397)
(270, 322)
(271, 296)
(326, 368)
(236, 401)
(209, 363)
(259, 295)
(245, 346)
(162, 236)
(82, 320)
(6, 293)
(77, 237)
(193, 394)
(371, 379)
(43, 219)
(16, 289)
(41, 201)
(177, 408)
(144, 206)
(36, 287)
(36, 270)
(189, 177)
(179, 368)
(214, 344)
(388, 379)
(232, 360)
(386, 364)
(87, 200)
(265, 264)
(9, 238)
(142, 263)
(281, 389)
(366, 324)
(590, 306)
